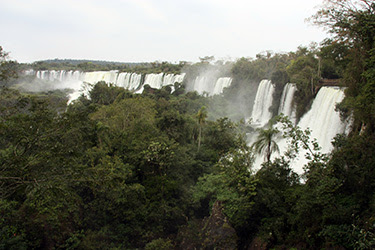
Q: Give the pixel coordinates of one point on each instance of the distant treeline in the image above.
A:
(97, 62)
(92, 65)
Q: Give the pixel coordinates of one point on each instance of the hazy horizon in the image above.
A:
(149, 30)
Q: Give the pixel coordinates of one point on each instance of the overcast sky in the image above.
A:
(150, 30)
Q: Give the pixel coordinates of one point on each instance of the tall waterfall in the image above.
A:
(323, 121)
(263, 101)
(211, 85)
(221, 83)
(203, 84)
(322, 118)
(286, 102)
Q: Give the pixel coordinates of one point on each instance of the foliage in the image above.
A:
(8, 68)
(352, 25)
(89, 66)
(265, 143)
(142, 171)
(201, 117)
(232, 183)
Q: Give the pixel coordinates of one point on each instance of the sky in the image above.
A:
(154, 30)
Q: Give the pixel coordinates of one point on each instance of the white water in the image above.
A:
(322, 119)
(221, 83)
(286, 102)
(98, 76)
(203, 84)
(210, 85)
(157, 81)
(263, 101)
(80, 82)
(171, 79)
(130, 81)
(154, 80)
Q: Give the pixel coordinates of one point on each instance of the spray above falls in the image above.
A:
(210, 85)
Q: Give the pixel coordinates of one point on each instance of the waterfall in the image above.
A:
(286, 102)
(77, 81)
(202, 84)
(130, 81)
(154, 80)
(171, 79)
(323, 121)
(322, 118)
(221, 83)
(97, 76)
(157, 81)
(211, 85)
(263, 101)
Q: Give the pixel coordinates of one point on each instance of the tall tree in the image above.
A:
(8, 68)
(265, 143)
(352, 24)
(201, 117)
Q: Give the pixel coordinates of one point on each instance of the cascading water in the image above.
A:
(323, 121)
(263, 101)
(171, 79)
(221, 83)
(130, 81)
(57, 80)
(97, 76)
(80, 82)
(154, 80)
(202, 84)
(322, 118)
(157, 81)
(210, 85)
(286, 102)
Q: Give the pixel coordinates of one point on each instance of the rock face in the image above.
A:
(213, 232)
(258, 244)
(217, 232)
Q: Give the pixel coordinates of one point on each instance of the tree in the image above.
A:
(232, 184)
(352, 24)
(201, 117)
(265, 143)
(8, 68)
(207, 59)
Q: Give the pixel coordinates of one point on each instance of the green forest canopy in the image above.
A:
(144, 171)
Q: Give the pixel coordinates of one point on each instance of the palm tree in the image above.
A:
(201, 116)
(265, 143)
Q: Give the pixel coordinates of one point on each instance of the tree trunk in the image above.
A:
(199, 137)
